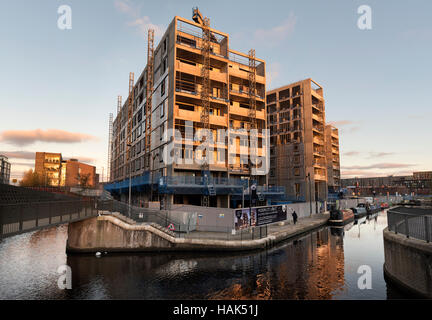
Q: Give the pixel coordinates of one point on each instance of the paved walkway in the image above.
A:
(280, 231)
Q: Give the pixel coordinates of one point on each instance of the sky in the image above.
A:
(57, 87)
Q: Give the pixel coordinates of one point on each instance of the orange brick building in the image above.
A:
(65, 173)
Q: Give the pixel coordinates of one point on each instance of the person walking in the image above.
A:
(294, 215)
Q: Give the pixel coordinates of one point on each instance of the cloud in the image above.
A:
(361, 174)
(141, 23)
(278, 33)
(380, 166)
(345, 174)
(272, 73)
(351, 153)
(26, 137)
(353, 129)
(81, 159)
(22, 164)
(341, 123)
(379, 154)
(19, 154)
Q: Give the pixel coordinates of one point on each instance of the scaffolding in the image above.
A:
(110, 139)
(252, 89)
(252, 105)
(130, 117)
(149, 95)
(205, 98)
(118, 131)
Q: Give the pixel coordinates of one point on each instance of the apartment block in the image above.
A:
(177, 102)
(332, 158)
(48, 165)
(5, 168)
(296, 118)
(57, 172)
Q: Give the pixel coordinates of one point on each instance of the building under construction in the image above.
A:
(192, 82)
(332, 158)
(298, 159)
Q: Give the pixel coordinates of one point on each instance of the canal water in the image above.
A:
(323, 264)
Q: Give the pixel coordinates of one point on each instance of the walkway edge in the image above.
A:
(171, 243)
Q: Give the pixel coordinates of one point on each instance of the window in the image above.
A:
(165, 45)
(297, 188)
(163, 88)
(164, 65)
(161, 132)
(296, 171)
(162, 109)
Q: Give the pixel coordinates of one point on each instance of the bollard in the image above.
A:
(21, 217)
(37, 216)
(1, 223)
(70, 213)
(49, 213)
(427, 231)
(406, 227)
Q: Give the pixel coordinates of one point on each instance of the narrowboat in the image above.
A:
(341, 217)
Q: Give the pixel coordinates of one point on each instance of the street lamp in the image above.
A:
(130, 182)
(310, 193)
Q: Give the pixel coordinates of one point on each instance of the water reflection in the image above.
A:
(320, 265)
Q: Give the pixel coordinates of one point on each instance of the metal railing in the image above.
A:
(411, 222)
(189, 228)
(18, 218)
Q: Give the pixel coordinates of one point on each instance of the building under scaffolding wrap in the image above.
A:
(193, 83)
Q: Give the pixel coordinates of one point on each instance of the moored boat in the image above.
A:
(372, 208)
(359, 211)
(341, 217)
(384, 205)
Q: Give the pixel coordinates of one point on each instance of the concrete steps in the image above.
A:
(159, 227)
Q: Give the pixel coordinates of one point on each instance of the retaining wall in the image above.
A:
(408, 262)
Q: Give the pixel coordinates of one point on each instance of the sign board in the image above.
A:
(259, 216)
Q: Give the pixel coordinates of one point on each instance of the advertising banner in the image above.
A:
(259, 216)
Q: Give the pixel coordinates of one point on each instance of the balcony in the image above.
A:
(245, 112)
(318, 107)
(320, 164)
(318, 153)
(244, 93)
(238, 168)
(318, 141)
(196, 117)
(241, 72)
(318, 129)
(196, 71)
(317, 117)
(321, 177)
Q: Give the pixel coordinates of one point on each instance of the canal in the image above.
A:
(320, 265)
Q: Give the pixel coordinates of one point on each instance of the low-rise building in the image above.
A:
(5, 168)
(57, 172)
